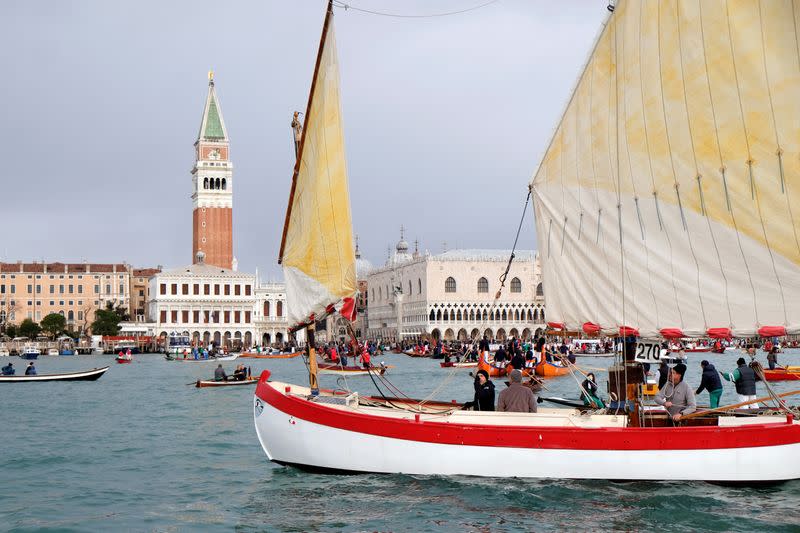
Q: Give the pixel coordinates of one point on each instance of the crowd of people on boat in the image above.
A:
(239, 374)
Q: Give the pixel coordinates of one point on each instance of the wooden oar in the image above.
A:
(740, 404)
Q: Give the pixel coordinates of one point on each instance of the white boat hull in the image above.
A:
(288, 438)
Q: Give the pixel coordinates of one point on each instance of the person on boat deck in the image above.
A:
(8, 370)
(484, 393)
(710, 381)
(772, 357)
(517, 398)
(240, 374)
(677, 396)
(500, 357)
(219, 374)
(365, 358)
(744, 378)
(518, 361)
(333, 355)
(589, 392)
(529, 360)
(31, 370)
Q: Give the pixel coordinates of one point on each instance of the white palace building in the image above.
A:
(451, 296)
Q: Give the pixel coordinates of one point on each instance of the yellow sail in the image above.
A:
(317, 251)
(669, 196)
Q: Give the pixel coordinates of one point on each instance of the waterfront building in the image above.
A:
(140, 293)
(212, 187)
(271, 322)
(451, 296)
(74, 290)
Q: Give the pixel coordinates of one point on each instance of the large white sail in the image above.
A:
(669, 196)
(317, 251)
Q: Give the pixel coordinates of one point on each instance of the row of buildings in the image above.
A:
(449, 296)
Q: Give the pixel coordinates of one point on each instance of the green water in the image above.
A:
(140, 450)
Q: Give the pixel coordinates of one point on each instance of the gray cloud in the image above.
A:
(445, 119)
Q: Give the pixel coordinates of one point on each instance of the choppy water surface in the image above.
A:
(142, 450)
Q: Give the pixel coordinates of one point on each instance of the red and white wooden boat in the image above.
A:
(123, 359)
(339, 370)
(649, 248)
(255, 355)
(553, 443)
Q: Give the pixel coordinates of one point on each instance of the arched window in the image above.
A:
(224, 184)
(516, 285)
(433, 315)
(266, 308)
(419, 286)
(279, 308)
(409, 287)
(516, 315)
(541, 315)
(472, 314)
(70, 315)
(485, 315)
(532, 317)
(205, 183)
(483, 285)
(505, 316)
(450, 285)
(2, 316)
(539, 290)
(458, 315)
(439, 314)
(452, 315)
(446, 316)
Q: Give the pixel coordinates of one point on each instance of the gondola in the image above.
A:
(253, 355)
(87, 375)
(212, 358)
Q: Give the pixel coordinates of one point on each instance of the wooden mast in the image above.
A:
(328, 15)
(312, 354)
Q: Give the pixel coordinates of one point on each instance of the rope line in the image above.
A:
(345, 6)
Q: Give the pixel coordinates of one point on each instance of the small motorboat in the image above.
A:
(52, 351)
(4, 352)
(122, 359)
(453, 364)
(278, 355)
(30, 351)
(788, 373)
(86, 375)
(230, 383)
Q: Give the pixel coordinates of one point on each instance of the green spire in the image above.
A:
(213, 129)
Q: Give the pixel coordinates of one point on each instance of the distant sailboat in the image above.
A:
(651, 205)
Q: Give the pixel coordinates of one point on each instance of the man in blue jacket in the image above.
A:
(8, 370)
(710, 381)
(31, 370)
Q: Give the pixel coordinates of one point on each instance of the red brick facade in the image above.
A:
(212, 231)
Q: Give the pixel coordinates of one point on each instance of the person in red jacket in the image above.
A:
(365, 358)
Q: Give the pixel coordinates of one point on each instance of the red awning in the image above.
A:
(772, 331)
(719, 333)
(626, 331)
(555, 325)
(590, 328)
(671, 333)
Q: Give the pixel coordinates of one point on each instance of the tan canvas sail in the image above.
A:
(669, 196)
(317, 250)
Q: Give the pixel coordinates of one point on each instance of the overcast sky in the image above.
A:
(445, 119)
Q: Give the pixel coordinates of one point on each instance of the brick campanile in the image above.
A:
(212, 187)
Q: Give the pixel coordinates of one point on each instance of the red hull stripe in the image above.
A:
(560, 438)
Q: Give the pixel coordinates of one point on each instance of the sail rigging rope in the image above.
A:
(346, 6)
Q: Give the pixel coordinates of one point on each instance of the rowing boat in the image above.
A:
(549, 370)
(86, 375)
(123, 359)
(789, 373)
(339, 370)
(451, 364)
(211, 359)
(414, 353)
(253, 355)
(230, 383)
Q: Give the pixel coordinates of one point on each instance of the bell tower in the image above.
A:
(212, 187)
